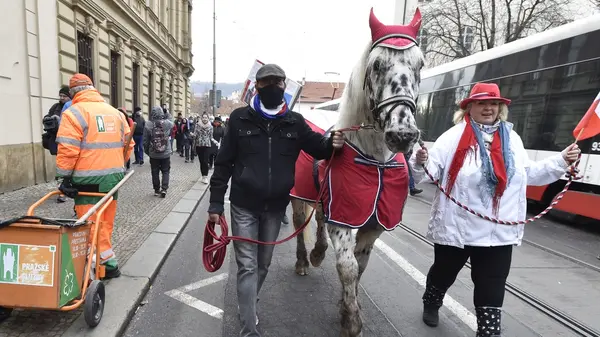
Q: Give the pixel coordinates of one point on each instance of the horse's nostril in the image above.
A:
(391, 137)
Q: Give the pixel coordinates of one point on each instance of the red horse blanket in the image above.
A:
(358, 187)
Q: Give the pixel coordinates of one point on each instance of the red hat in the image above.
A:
(397, 37)
(484, 92)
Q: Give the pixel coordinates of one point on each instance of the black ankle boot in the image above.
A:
(488, 322)
(432, 301)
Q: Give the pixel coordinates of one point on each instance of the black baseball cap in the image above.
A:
(270, 70)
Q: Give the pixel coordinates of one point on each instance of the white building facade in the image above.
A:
(137, 52)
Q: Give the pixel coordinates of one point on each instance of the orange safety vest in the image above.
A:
(90, 140)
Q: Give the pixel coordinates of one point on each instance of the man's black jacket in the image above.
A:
(259, 155)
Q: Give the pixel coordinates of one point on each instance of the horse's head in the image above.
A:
(392, 79)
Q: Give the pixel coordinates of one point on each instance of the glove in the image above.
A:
(66, 187)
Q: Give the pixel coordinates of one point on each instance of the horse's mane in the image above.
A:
(354, 108)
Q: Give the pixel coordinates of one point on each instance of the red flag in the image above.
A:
(589, 126)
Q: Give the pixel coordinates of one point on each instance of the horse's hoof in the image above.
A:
(302, 268)
(316, 257)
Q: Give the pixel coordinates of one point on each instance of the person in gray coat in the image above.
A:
(156, 145)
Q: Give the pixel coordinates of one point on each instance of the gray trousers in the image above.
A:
(253, 260)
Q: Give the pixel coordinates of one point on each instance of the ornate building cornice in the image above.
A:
(91, 8)
(117, 29)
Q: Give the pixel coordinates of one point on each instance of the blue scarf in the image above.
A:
(280, 111)
(488, 177)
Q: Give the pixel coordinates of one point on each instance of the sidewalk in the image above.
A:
(139, 213)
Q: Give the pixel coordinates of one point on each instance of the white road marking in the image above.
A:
(458, 309)
(196, 303)
(181, 295)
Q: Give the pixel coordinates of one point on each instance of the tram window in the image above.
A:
(439, 117)
(422, 115)
(546, 108)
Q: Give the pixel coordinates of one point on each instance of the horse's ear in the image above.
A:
(374, 23)
(416, 21)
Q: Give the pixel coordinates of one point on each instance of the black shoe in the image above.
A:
(141, 163)
(415, 191)
(286, 220)
(156, 193)
(433, 299)
(163, 193)
(60, 199)
(136, 162)
(431, 315)
(111, 273)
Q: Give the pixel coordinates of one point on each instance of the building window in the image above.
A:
(114, 78)
(136, 82)
(85, 55)
(135, 74)
(150, 90)
(468, 38)
(171, 97)
(162, 91)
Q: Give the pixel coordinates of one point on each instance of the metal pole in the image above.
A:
(110, 193)
(214, 86)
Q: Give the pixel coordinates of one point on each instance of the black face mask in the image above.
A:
(271, 96)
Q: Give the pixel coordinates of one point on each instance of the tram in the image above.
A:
(552, 79)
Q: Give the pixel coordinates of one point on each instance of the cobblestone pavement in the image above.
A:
(139, 212)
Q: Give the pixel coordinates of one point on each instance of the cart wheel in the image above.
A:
(93, 306)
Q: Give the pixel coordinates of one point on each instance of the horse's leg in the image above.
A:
(299, 217)
(318, 253)
(347, 267)
(365, 239)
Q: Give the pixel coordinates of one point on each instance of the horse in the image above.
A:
(380, 96)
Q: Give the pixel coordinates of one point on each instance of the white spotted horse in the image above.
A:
(367, 181)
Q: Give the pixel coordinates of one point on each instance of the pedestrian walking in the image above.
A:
(131, 126)
(203, 142)
(192, 127)
(413, 190)
(51, 123)
(156, 145)
(138, 136)
(187, 139)
(482, 160)
(91, 158)
(179, 134)
(259, 153)
(218, 132)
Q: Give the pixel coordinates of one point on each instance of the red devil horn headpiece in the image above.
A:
(397, 37)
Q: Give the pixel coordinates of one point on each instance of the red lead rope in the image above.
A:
(215, 247)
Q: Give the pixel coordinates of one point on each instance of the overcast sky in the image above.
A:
(306, 37)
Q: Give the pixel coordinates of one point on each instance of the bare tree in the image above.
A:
(458, 28)
(199, 104)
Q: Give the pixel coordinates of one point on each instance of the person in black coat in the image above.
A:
(51, 123)
(218, 133)
(138, 135)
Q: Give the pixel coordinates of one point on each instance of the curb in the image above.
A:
(124, 294)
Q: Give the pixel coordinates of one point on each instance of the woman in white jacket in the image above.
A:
(482, 162)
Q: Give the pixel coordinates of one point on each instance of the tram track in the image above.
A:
(554, 313)
(544, 248)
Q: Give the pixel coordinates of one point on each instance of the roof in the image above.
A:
(319, 92)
